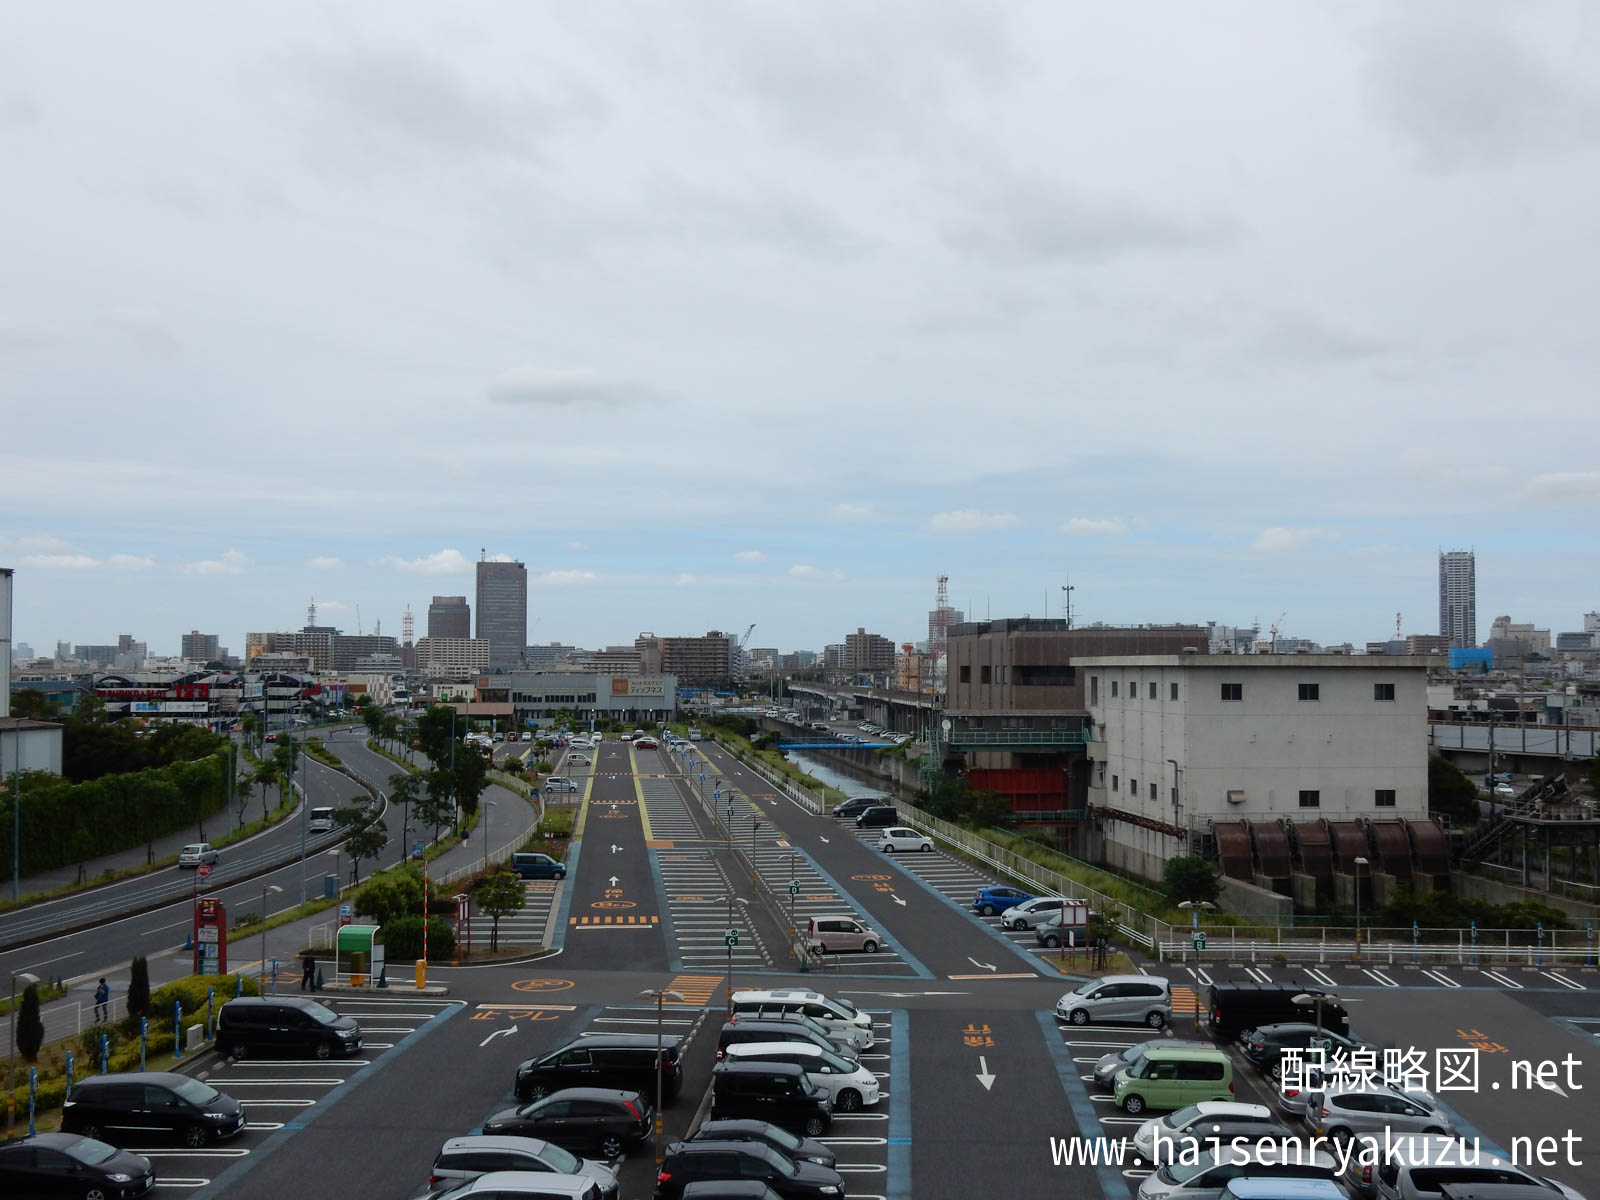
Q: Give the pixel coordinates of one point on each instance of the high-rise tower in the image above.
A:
(1458, 598)
(502, 605)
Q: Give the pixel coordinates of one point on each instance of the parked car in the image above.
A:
(697, 1161)
(1106, 1068)
(878, 816)
(464, 1158)
(581, 1118)
(1265, 1045)
(898, 837)
(1146, 999)
(196, 853)
(1420, 1167)
(582, 759)
(1341, 1111)
(997, 899)
(517, 1185)
(1205, 1177)
(67, 1164)
(855, 806)
(779, 1093)
(837, 934)
(559, 783)
(839, 1017)
(1062, 928)
(645, 743)
(1266, 1187)
(783, 1027)
(1169, 1079)
(801, 1149)
(532, 865)
(1032, 912)
(116, 1108)
(624, 1061)
(1234, 1006)
(848, 1084)
(1199, 1118)
(295, 1025)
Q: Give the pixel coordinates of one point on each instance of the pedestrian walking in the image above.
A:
(308, 978)
(102, 1001)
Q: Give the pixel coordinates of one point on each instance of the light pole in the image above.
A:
(1197, 940)
(487, 805)
(660, 996)
(305, 818)
(1315, 1000)
(730, 938)
(265, 888)
(1359, 863)
(28, 980)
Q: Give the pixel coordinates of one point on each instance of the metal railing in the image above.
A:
(1462, 952)
(1015, 737)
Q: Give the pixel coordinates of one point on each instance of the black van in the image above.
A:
(781, 1094)
(118, 1108)
(284, 1024)
(623, 1061)
(782, 1027)
(1234, 1007)
(878, 816)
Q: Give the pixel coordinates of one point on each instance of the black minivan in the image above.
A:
(625, 1061)
(1235, 1006)
(117, 1108)
(781, 1094)
(782, 1027)
(878, 816)
(286, 1024)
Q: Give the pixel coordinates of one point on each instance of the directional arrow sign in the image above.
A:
(983, 1073)
(898, 901)
(613, 881)
(495, 1034)
(823, 840)
(976, 963)
(615, 848)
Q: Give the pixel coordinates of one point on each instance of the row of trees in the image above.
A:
(93, 745)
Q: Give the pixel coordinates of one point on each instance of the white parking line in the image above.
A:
(1379, 976)
(1321, 977)
(182, 1152)
(1440, 977)
(1503, 980)
(1564, 981)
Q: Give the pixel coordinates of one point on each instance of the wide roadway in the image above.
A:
(979, 1077)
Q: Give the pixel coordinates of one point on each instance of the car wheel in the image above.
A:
(849, 1101)
(926, 846)
(95, 1193)
(1133, 1103)
(1276, 1070)
(1080, 1016)
(1155, 1020)
(869, 947)
(196, 1136)
(887, 849)
(1051, 941)
(1340, 1135)
(815, 1126)
(538, 1091)
(91, 1130)
(323, 1050)
(987, 910)
(822, 947)
(235, 1051)
(611, 1147)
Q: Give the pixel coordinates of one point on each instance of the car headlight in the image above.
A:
(218, 1117)
(119, 1177)
(828, 1189)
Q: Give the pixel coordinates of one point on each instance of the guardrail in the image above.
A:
(1387, 953)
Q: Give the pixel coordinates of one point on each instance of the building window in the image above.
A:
(1383, 691)
(1174, 692)
(1113, 689)
(1113, 783)
(984, 675)
(1153, 794)
(1233, 691)
(1152, 689)
(1311, 691)
(1094, 689)
(1310, 799)
(1174, 797)
(966, 674)
(1383, 798)
(1133, 788)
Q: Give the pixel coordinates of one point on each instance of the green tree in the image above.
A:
(285, 758)
(365, 835)
(31, 705)
(372, 718)
(1451, 793)
(138, 987)
(30, 1025)
(471, 776)
(1190, 877)
(402, 938)
(434, 728)
(391, 894)
(405, 789)
(264, 777)
(499, 896)
(389, 729)
(248, 727)
(435, 806)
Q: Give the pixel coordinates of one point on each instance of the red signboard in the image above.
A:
(210, 937)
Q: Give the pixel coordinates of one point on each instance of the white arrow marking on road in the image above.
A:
(822, 839)
(613, 881)
(1553, 1087)
(976, 963)
(495, 1034)
(615, 847)
(983, 1073)
(898, 901)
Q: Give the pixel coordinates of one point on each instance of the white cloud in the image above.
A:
(71, 562)
(323, 562)
(449, 561)
(1560, 488)
(852, 512)
(684, 579)
(970, 520)
(499, 558)
(577, 546)
(232, 562)
(563, 578)
(38, 543)
(807, 571)
(562, 389)
(130, 562)
(750, 556)
(1278, 539)
(1095, 526)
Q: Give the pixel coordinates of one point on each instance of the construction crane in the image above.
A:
(747, 634)
(1276, 625)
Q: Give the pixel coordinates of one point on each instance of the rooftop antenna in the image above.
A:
(1066, 601)
(1397, 627)
(483, 554)
(311, 613)
(358, 620)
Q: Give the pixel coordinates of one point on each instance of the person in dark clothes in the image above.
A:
(308, 978)
(102, 1001)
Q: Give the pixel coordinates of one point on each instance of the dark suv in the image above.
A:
(878, 816)
(801, 1149)
(779, 1093)
(604, 1060)
(117, 1108)
(781, 1027)
(1264, 1045)
(694, 1162)
(579, 1119)
(855, 806)
(284, 1024)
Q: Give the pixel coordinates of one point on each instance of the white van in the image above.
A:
(839, 1017)
(320, 820)
(849, 1084)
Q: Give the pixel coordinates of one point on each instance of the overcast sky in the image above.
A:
(716, 313)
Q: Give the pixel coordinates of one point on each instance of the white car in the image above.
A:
(848, 1084)
(1176, 1123)
(579, 758)
(196, 853)
(897, 837)
(557, 784)
(1033, 912)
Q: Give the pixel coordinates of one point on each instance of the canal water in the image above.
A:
(848, 782)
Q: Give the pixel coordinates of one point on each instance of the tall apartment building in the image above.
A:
(347, 649)
(1458, 598)
(201, 647)
(452, 657)
(865, 651)
(694, 660)
(502, 603)
(449, 617)
(547, 654)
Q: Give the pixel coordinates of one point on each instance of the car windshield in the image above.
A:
(192, 849)
(1084, 988)
(563, 1162)
(90, 1152)
(846, 1006)
(780, 1137)
(321, 1012)
(1180, 1118)
(196, 1092)
(1182, 1171)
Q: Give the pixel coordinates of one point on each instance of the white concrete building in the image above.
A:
(452, 658)
(1183, 740)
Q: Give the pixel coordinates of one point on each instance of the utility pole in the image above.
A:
(305, 820)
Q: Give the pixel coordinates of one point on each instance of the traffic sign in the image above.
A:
(416, 849)
(203, 871)
(1199, 941)
(731, 938)
(794, 887)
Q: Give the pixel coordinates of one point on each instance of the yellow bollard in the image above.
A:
(422, 973)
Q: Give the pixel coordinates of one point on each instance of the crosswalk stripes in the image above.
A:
(527, 926)
(627, 920)
(697, 990)
(1185, 1003)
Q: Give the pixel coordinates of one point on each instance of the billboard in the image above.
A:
(634, 686)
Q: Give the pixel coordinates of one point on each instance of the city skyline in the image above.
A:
(710, 319)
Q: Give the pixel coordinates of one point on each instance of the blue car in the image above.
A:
(537, 866)
(992, 900)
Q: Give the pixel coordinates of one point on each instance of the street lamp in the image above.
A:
(660, 996)
(1315, 1000)
(487, 805)
(28, 980)
(729, 937)
(269, 887)
(1359, 863)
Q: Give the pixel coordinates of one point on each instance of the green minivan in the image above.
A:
(1169, 1078)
